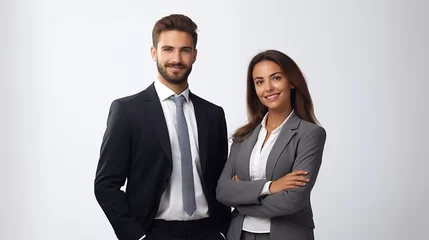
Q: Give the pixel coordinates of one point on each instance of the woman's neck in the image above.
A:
(276, 118)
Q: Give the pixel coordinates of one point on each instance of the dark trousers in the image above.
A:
(202, 229)
(254, 236)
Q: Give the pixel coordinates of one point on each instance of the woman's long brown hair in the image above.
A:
(300, 96)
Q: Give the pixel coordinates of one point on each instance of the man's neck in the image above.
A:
(176, 88)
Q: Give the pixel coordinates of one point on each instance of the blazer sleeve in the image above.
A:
(112, 171)
(222, 152)
(309, 158)
(232, 193)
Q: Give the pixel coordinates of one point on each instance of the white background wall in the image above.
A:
(63, 62)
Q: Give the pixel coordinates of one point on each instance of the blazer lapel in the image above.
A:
(202, 128)
(158, 121)
(286, 134)
(246, 150)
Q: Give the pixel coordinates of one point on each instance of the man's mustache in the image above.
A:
(179, 64)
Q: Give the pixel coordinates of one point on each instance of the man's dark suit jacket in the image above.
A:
(136, 148)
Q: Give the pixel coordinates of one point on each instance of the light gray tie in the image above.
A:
(188, 192)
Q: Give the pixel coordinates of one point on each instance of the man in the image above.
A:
(170, 145)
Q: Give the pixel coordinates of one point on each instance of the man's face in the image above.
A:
(174, 56)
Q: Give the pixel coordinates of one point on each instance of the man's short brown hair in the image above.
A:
(177, 22)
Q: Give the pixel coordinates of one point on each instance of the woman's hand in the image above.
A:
(290, 181)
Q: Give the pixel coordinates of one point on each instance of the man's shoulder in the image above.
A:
(136, 97)
(131, 102)
(207, 104)
(127, 99)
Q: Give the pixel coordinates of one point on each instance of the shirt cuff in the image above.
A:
(266, 189)
(223, 236)
(144, 236)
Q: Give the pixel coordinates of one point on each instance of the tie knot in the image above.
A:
(179, 100)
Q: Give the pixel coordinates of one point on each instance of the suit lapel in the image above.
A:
(158, 121)
(246, 150)
(202, 127)
(286, 134)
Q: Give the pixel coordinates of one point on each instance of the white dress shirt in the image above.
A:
(257, 170)
(171, 205)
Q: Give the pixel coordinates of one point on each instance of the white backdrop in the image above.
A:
(63, 62)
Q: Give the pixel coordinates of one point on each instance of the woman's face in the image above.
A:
(272, 86)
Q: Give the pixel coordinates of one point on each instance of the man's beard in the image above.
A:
(174, 79)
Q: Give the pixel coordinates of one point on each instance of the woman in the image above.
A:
(275, 158)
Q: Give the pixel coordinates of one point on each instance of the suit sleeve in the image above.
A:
(222, 157)
(309, 158)
(112, 171)
(233, 193)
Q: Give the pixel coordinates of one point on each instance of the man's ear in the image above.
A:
(153, 53)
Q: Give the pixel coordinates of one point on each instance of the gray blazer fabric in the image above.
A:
(298, 147)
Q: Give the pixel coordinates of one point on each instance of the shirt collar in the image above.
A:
(165, 93)
(277, 130)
